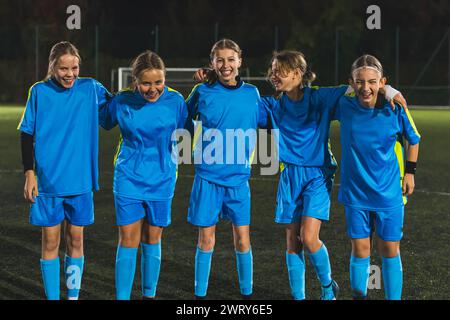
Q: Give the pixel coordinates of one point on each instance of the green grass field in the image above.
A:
(425, 247)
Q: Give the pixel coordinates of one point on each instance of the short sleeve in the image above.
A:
(182, 115)
(192, 101)
(265, 109)
(329, 96)
(336, 111)
(103, 95)
(408, 126)
(28, 122)
(107, 114)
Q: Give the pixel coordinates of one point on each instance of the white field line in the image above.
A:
(190, 176)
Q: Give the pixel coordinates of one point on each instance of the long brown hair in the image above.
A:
(57, 51)
(290, 60)
(147, 60)
(211, 76)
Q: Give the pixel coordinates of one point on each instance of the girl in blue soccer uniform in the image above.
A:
(61, 116)
(302, 114)
(225, 110)
(144, 169)
(375, 179)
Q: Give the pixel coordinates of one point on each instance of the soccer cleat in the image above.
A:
(246, 296)
(148, 298)
(199, 297)
(330, 292)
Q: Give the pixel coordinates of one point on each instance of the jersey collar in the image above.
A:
(237, 86)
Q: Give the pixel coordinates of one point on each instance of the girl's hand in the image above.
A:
(30, 190)
(200, 74)
(408, 184)
(400, 99)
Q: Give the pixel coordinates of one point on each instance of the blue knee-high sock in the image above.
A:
(150, 267)
(73, 273)
(50, 277)
(244, 262)
(359, 276)
(125, 268)
(321, 262)
(392, 277)
(296, 270)
(202, 270)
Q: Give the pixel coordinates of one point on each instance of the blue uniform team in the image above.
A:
(372, 173)
(64, 124)
(145, 171)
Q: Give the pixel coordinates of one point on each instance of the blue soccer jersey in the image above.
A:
(226, 120)
(144, 167)
(64, 123)
(304, 125)
(372, 154)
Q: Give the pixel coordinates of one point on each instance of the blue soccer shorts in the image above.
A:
(388, 223)
(208, 201)
(158, 213)
(78, 210)
(303, 191)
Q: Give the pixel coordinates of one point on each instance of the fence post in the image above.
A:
(36, 48)
(276, 38)
(216, 32)
(397, 57)
(336, 59)
(156, 39)
(96, 51)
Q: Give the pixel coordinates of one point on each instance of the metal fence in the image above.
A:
(416, 60)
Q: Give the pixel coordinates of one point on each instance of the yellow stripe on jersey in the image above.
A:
(25, 109)
(118, 150)
(172, 90)
(282, 166)
(411, 121)
(127, 89)
(398, 149)
(193, 89)
(197, 134)
(331, 153)
(252, 156)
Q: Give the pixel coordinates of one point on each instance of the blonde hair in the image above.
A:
(211, 76)
(147, 60)
(57, 51)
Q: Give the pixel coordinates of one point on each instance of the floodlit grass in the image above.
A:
(425, 245)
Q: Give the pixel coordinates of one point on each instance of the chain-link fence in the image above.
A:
(416, 60)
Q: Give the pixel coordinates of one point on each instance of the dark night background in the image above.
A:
(413, 46)
(413, 43)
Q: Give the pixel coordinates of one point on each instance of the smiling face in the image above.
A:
(283, 79)
(226, 64)
(151, 84)
(66, 70)
(367, 82)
